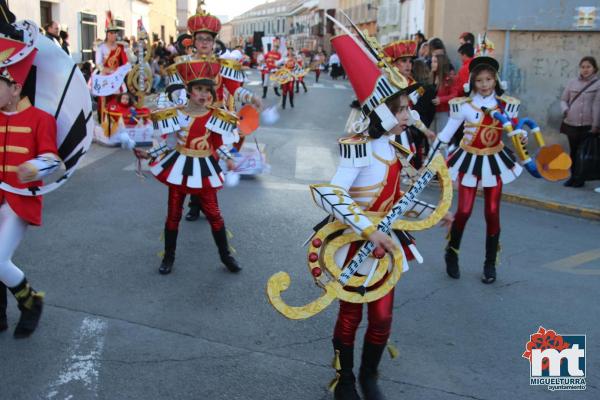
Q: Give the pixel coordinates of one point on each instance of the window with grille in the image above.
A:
(88, 27)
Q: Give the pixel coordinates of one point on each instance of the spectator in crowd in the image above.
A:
(423, 53)
(425, 107)
(445, 89)
(466, 37)
(156, 73)
(64, 37)
(580, 105)
(437, 47)
(172, 49)
(52, 32)
(466, 52)
(86, 70)
(421, 40)
(335, 65)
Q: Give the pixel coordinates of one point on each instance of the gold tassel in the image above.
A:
(161, 238)
(335, 363)
(393, 350)
(334, 382)
(161, 254)
(229, 234)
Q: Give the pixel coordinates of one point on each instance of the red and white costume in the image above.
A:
(480, 160)
(108, 60)
(187, 161)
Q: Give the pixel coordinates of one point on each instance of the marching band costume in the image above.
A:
(187, 163)
(108, 60)
(228, 81)
(27, 141)
(413, 137)
(317, 64)
(272, 59)
(287, 79)
(367, 181)
(300, 73)
(480, 160)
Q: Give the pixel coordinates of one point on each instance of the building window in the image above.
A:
(121, 24)
(88, 28)
(45, 13)
(162, 33)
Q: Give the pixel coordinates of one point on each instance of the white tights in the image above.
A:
(12, 231)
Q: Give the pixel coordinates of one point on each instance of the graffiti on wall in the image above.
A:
(540, 65)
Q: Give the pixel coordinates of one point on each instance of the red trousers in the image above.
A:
(466, 199)
(208, 204)
(288, 87)
(380, 321)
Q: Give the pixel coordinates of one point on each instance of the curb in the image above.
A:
(587, 213)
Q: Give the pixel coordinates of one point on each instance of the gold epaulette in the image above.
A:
(455, 105)
(230, 63)
(511, 105)
(355, 151)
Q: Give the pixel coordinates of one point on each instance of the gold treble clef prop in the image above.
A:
(336, 236)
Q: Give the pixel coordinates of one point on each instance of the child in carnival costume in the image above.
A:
(481, 159)
(401, 53)
(204, 28)
(28, 153)
(110, 55)
(187, 161)
(367, 181)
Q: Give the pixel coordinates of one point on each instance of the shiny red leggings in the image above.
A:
(288, 88)
(466, 199)
(208, 204)
(380, 320)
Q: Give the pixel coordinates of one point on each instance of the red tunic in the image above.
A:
(200, 144)
(271, 59)
(116, 58)
(23, 136)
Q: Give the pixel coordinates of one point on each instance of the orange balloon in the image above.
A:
(248, 120)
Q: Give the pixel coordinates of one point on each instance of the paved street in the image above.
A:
(113, 328)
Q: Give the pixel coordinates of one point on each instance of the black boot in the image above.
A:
(491, 255)
(367, 378)
(297, 86)
(283, 101)
(276, 91)
(345, 389)
(292, 99)
(3, 321)
(304, 86)
(169, 258)
(227, 259)
(452, 249)
(264, 92)
(194, 209)
(31, 305)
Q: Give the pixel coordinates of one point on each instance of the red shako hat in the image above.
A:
(401, 48)
(202, 21)
(16, 59)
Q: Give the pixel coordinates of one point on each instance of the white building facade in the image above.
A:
(400, 19)
(84, 20)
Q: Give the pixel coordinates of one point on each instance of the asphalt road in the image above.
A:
(113, 328)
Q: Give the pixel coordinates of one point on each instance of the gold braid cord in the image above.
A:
(332, 237)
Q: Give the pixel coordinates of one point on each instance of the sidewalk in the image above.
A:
(553, 196)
